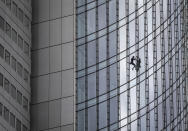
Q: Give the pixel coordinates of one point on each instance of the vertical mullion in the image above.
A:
(138, 72)
(118, 58)
(177, 67)
(183, 26)
(163, 83)
(170, 66)
(97, 65)
(108, 68)
(128, 67)
(86, 70)
(146, 66)
(155, 64)
(76, 125)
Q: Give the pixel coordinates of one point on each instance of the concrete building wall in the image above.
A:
(52, 107)
(15, 64)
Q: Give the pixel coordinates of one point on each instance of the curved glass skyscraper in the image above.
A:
(130, 65)
(15, 64)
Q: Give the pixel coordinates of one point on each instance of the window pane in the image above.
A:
(6, 85)
(14, 35)
(20, 41)
(25, 103)
(12, 120)
(7, 56)
(26, 75)
(14, 8)
(2, 23)
(8, 29)
(26, 21)
(20, 15)
(1, 79)
(6, 114)
(19, 69)
(19, 97)
(13, 63)
(18, 125)
(1, 51)
(26, 48)
(8, 3)
(92, 122)
(1, 109)
(13, 91)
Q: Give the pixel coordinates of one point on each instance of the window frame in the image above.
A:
(14, 35)
(8, 29)
(13, 63)
(7, 57)
(19, 95)
(2, 23)
(5, 113)
(2, 51)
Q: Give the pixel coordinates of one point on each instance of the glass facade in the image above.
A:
(110, 93)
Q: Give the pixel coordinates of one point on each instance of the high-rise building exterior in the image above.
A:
(95, 65)
(131, 65)
(53, 65)
(15, 64)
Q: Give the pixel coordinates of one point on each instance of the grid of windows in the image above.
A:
(18, 12)
(11, 119)
(16, 66)
(112, 92)
(14, 93)
(14, 36)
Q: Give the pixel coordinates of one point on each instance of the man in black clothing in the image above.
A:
(132, 62)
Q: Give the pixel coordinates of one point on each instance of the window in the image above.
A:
(18, 125)
(24, 128)
(8, 3)
(19, 97)
(6, 85)
(14, 35)
(14, 8)
(7, 57)
(1, 109)
(26, 48)
(20, 41)
(13, 91)
(2, 23)
(8, 30)
(26, 21)
(1, 79)
(25, 103)
(26, 75)
(19, 69)
(20, 15)
(13, 63)
(1, 51)
(6, 114)
(12, 120)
